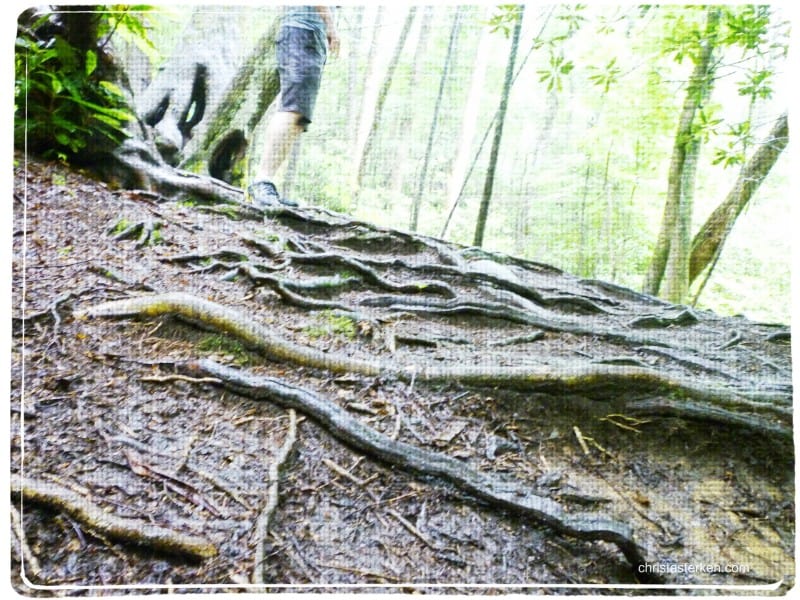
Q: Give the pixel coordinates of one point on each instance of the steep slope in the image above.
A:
(606, 410)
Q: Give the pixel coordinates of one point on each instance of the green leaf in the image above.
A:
(111, 87)
(91, 62)
(115, 123)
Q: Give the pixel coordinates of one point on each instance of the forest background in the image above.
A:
(407, 114)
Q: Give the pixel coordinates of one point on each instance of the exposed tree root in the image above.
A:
(507, 495)
(589, 379)
(682, 318)
(281, 287)
(143, 167)
(50, 314)
(30, 564)
(517, 303)
(263, 521)
(527, 338)
(94, 518)
(145, 232)
(693, 410)
(370, 275)
(486, 271)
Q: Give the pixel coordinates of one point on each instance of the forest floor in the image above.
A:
(92, 411)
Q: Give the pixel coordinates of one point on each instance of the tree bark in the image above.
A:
(208, 98)
(228, 134)
(708, 242)
(483, 212)
(668, 274)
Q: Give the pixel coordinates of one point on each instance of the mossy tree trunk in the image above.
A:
(205, 103)
(707, 243)
(668, 273)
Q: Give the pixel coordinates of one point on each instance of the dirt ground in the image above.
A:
(92, 412)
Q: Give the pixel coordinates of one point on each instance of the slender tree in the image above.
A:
(707, 244)
(483, 212)
(354, 42)
(669, 267)
(410, 112)
(469, 117)
(540, 147)
(422, 179)
(383, 94)
(372, 59)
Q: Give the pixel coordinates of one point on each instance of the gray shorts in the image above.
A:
(301, 55)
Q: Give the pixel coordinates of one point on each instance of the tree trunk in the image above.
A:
(708, 242)
(410, 116)
(423, 176)
(583, 268)
(469, 118)
(80, 30)
(352, 70)
(359, 139)
(483, 213)
(523, 209)
(383, 93)
(210, 95)
(668, 274)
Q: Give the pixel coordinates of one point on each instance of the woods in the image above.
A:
(367, 389)
(604, 227)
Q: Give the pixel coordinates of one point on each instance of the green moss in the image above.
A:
(220, 344)
(119, 227)
(228, 210)
(331, 324)
(156, 237)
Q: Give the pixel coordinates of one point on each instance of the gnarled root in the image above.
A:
(94, 518)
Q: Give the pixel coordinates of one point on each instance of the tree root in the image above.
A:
(146, 232)
(700, 412)
(592, 379)
(50, 314)
(371, 276)
(507, 495)
(281, 287)
(530, 307)
(263, 521)
(682, 318)
(527, 338)
(123, 529)
(30, 564)
(471, 274)
(140, 161)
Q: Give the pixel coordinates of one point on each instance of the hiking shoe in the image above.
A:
(264, 194)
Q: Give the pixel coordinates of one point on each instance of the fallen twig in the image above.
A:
(176, 377)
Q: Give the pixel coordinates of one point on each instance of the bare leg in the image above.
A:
(282, 131)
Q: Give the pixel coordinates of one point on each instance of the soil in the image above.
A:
(93, 411)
